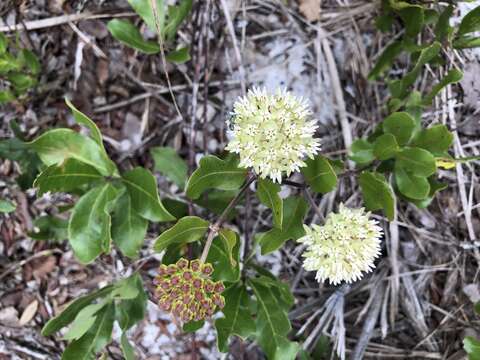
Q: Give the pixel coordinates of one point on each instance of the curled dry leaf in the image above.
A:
(310, 9)
(28, 313)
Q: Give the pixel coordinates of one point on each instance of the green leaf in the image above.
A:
(83, 119)
(320, 174)
(142, 187)
(224, 256)
(193, 326)
(65, 177)
(127, 349)
(386, 59)
(267, 193)
(168, 163)
(217, 174)
(472, 347)
(470, 22)
(84, 320)
(89, 226)
(237, 319)
(385, 147)
(30, 60)
(21, 81)
(128, 228)
(55, 146)
(466, 42)
(399, 88)
(179, 56)
(361, 152)
(71, 311)
(294, 210)
(50, 228)
(176, 15)
(437, 139)
(132, 310)
(3, 44)
(452, 77)
(443, 28)
(188, 229)
(144, 9)
(377, 193)
(435, 186)
(412, 16)
(125, 32)
(6, 207)
(217, 201)
(417, 161)
(412, 186)
(401, 125)
(272, 325)
(97, 337)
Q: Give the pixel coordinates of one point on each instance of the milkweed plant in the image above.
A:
(209, 270)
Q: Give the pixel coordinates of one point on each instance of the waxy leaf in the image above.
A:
(417, 161)
(436, 139)
(83, 119)
(385, 147)
(214, 173)
(237, 319)
(84, 320)
(96, 338)
(176, 15)
(463, 42)
(377, 193)
(386, 59)
(224, 256)
(272, 324)
(65, 177)
(410, 185)
(361, 152)
(128, 34)
(472, 347)
(401, 125)
(179, 56)
(294, 210)
(132, 310)
(142, 187)
(71, 311)
(267, 193)
(320, 174)
(89, 226)
(128, 228)
(470, 22)
(55, 146)
(144, 9)
(452, 77)
(168, 163)
(188, 229)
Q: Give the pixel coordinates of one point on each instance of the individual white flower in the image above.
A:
(272, 133)
(344, 248)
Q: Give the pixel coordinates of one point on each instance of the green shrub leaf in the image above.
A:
(179, 56)
(470, 22)
(237, 319)
(83, 119)
(50, 228)
(377, 193)
(224, 256)
(412, 186)
(168, 163)
(65, 177)
(125, 32)
(361, 152)
(217, 174)
(466, 42)
(144, 9)
(452, 77)
(437, 139)
(320, 174)
(188, 229)
(142, 187)
(294, 210)
(386, 59)
(55, 146)
(385, 147)
(267, 193)
(401, 125)
(418, 161)
(89, 226)
(128, 228)
(6, 207)
(472, 347)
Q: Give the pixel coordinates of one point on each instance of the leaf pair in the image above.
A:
(92, 322)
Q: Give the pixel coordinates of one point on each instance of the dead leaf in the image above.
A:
(310, 9)
(28, 313)
(9, 316)
(45, 267)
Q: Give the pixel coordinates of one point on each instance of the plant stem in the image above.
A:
(216, 226)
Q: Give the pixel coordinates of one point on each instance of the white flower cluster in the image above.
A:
(344, 248)
(272, 133)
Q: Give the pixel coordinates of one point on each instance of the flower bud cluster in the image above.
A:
(186, 290)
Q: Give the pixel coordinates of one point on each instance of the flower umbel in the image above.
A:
(186, 290)
(344, 248)
(272, 133)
